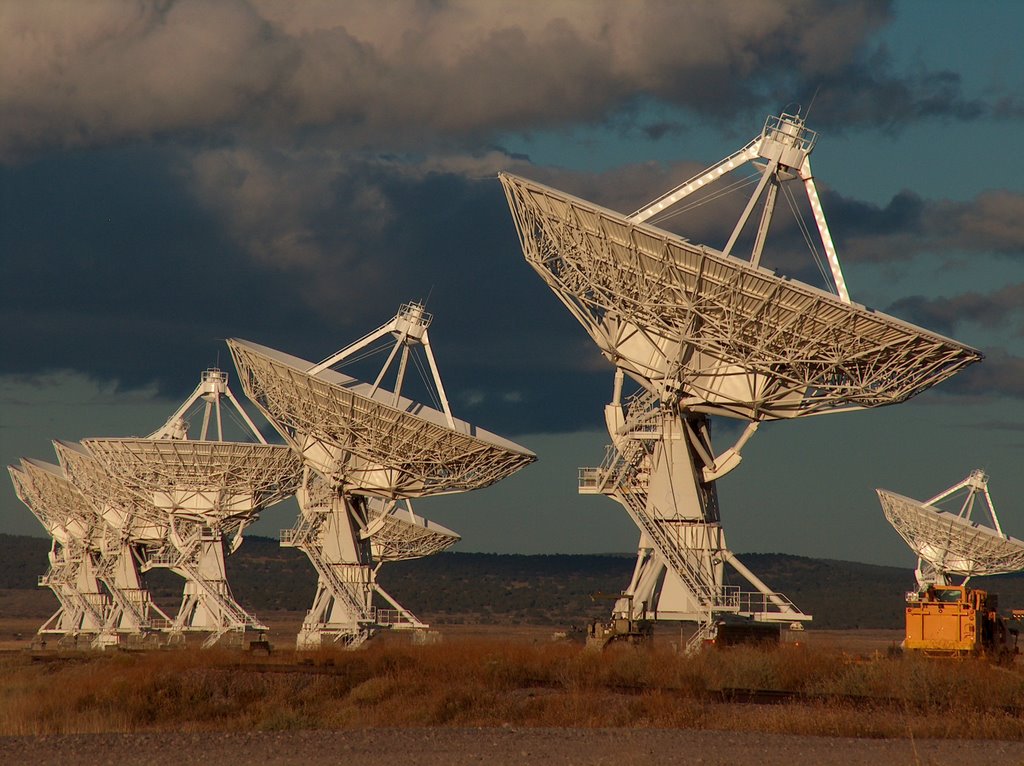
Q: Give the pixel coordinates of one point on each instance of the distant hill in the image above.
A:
(501, 588)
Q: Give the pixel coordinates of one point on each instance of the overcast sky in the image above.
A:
(176, 173)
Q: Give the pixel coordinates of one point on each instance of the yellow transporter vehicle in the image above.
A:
(945, 619)
(954, 620)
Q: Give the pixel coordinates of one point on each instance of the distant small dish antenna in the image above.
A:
(130, 531)
(954, 543)
(73, 574)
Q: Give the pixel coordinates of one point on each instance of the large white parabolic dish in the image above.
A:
(740, 340)
(353, 434)
(950, 543)
(58, 504)
(138, 522)
(211, 481)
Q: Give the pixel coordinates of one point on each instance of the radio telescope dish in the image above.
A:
(204, 489)
(213, 483)
(129, 520)
(733, 338)
(397, 534)
(363, 448)
(128, 531)
(948, 543)
(72, 576)
(705, 333)
(366, 440)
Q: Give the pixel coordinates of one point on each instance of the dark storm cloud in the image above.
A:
(1000, 375)
(868, 92)
(1008, 108)
(992, 222)
(116, 270)
(132, 265)
(110, 266)
(997, 309)
(179, 172)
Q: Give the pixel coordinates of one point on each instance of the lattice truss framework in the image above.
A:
(125, 520)
(367, 452)
(624, 476)
(421, 457)
(396, 534)
(58, 504)
(77, 534)
(203, 490)
(949, 543)
(211, 482)
(99, 542)
(687, 549)
(394, 531)
(786, 348)
(131, 532)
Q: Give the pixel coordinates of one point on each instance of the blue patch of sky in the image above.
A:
(878, 284)
(644, 131)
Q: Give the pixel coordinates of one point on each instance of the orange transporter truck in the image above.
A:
(954, 620)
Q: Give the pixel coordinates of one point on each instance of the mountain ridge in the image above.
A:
(500, 588)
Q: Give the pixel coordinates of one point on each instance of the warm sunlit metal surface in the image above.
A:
(355, 436)
(400, 536)
(953, 544)
(218, 479)
(60, 507)
(134, 521)
(741, 341)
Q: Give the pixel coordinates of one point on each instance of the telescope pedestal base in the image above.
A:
(658, 476)
(207, 605)
(343, 610)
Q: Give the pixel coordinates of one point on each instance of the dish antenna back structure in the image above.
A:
(73, 572)
(704, 332)
(954, 542)
(193, 493)
(367, 452)
(130, 531)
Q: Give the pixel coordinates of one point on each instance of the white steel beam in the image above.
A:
(823, 231)
(747, 153)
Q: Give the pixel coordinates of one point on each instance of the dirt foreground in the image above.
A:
(496, 747)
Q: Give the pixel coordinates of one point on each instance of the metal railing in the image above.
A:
(589, 479)
(164, 558)
(629, 486)
(390, 617)
(756, 603)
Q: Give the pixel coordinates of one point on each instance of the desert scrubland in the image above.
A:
(818, 688)
(493, 686)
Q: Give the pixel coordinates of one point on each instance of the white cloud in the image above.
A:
(389, 75)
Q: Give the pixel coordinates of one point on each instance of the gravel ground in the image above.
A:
(495, 747)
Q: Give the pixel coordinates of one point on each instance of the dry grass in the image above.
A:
(491, 683)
